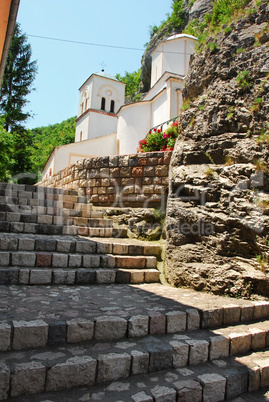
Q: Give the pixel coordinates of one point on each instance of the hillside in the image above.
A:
(218, 204)
(44, 139)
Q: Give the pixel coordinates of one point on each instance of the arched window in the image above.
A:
(112, 106)
(50, 173)
(103, 104)
(80, 136)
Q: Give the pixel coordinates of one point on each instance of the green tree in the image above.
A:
(6, 151)
(132, 81)
(19, 75)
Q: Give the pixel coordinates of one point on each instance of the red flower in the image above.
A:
(155, 129)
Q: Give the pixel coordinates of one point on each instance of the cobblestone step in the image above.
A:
(220, 380)
(62, 367)
(61, 244)
(76, 276)
(66, 260)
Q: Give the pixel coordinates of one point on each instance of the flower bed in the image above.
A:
(158, 140)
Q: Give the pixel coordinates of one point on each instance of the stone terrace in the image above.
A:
(87, 318)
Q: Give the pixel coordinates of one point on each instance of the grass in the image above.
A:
(210, 173)
(261, 165)
(262, 261)
(243, 79)
(257, 104)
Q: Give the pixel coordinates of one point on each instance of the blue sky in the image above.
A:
(62, 66)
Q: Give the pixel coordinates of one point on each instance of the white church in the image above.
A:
(105, 126)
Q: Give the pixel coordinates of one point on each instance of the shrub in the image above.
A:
(243, 79)
(157, 140)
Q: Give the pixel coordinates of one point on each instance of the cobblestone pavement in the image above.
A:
(64, 302)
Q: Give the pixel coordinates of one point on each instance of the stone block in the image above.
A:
(104, 248)
(79, 330)
(22, 259)
(157, 323)
(254, 379)
(16, 227)
(107, 261)
(105, 276)
(29, 334)
(13, 217)
(86, 247)
(85, 276)
(193, 319)
(45, 245)
(65, 246)
(152, 276)
(75, 261)
(75, 372)
(140, 362)
(189, 391)
(8, 243)
(180, 353)
(120, 249)
(231, 314)
(4, 259)
(60, 260)
(239, 343)
(44, 219)
(61, 277)
(57, 333)
(9, 276)
(4, 381)
(141, 397)
(258, 338)
(237, 382)
(261, 310)
(30, 228)
(176, 321)
(40, 277)
(91, 261)
(109, 328)
(113, 366)
(213, 387)
(198, 351)
(138, 326)
(219, 347)
(160, 354)
(43, 260)
(123, 276)
(28, 378)
(5, 332)
(163, 394)
(212, 318)
(26, 244)
(247, 312)
(137, 276)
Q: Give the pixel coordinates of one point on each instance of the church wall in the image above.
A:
(134, 122)
(69, 154)
(101, 124)
(137, 180)
(160, 109)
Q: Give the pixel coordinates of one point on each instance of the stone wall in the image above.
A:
(138, 180)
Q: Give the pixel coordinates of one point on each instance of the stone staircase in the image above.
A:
(122, 337)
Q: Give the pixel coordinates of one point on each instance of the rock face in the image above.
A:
(218, 205)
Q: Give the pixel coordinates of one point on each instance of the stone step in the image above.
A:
(150, 300)
(58, 228)
(76, 276)
(57, 260)
(220, 380)
(71, 245)
(60, 367)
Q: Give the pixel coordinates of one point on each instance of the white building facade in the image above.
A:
(105, 126)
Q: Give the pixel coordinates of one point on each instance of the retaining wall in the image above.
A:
(138, 180)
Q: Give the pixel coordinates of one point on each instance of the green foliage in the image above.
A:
(157, 140)
(177, 17)
(223, 12)
(132, 81)
(243, 79)
(257, 104)
(19, 75)
(6, 151)
(46, 138)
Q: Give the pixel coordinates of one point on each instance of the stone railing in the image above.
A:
(138, 180)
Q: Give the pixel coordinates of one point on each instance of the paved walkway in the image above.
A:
(65, 302)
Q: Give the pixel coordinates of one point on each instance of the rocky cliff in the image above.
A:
(218, 205)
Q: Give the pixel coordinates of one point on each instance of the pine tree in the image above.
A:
(19, 75)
